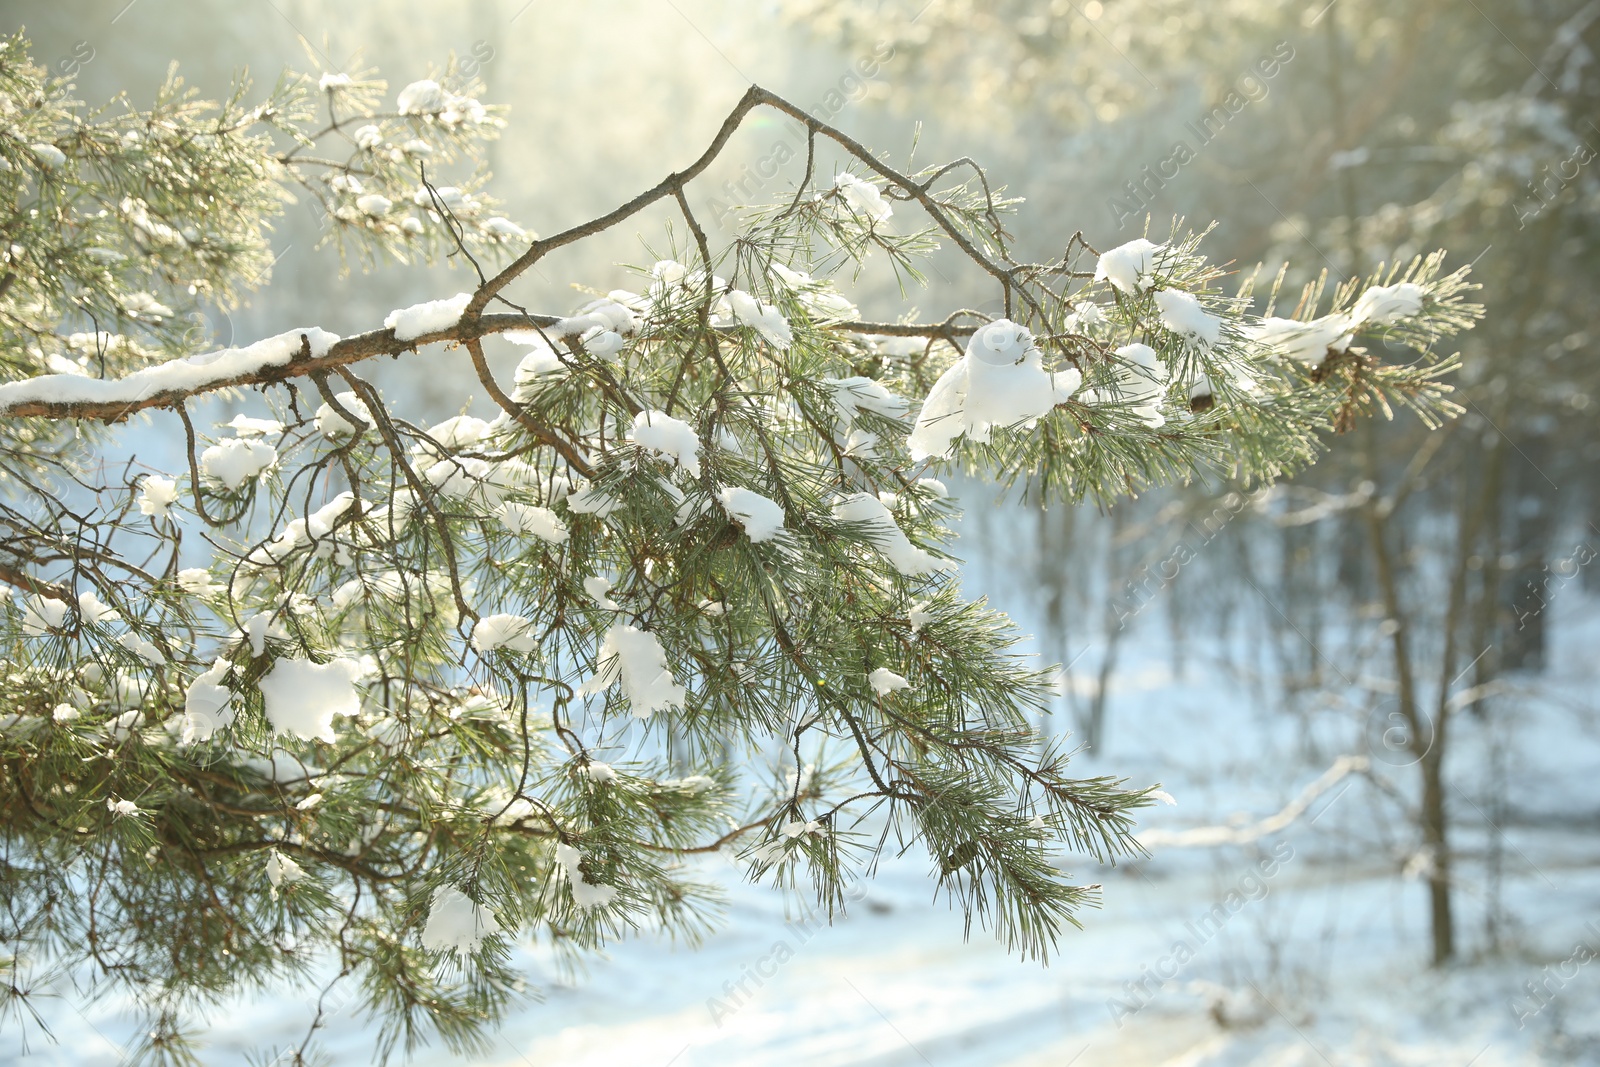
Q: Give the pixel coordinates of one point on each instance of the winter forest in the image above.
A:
(1022, 533)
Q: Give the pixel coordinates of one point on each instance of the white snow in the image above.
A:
(237, 460)
(999, 382)
(207, 705)
(584, 895)
(48, 155)
(281, 870)
(334, 425)
(120, 808)
(1307, 342)
(302, 697)
(244, 426)
(600, 772)
(821, 301)
(863, 198)
(1383, 305)
(41, 613)
(761, 518)
(142, 648)
(504, 228)
(330, 81)
(156, 495)
(919, 616)
(598, 589)
(765, 319)
(856, 394)
(456, 923)
(1182, 314)
(503, 631)
(1129, 267)
(667, 436)
(374, 205)
(636, 659)
(884, 681)
(1141, 380)
(175, 376)
(430, 316)
(591, 500)
(93, 610)
(368, 136)
(423, 97)
(533, 520)
(886, 536)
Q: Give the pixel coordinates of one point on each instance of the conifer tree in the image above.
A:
(353, 695)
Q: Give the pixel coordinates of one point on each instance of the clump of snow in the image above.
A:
(919, 616)
(156, 495)
(1000, 381)
(667, 436)
(244, 426)
(207, 705)
(1140, 380)
(1386, 304)
(430, 316)
(456, 923)
(93, 610)
(535, 521)
(368, 137)
(65, 713)
(761, 518)
(142, 648)
(282, 871)
(423, 97)
(330, 81)
(821, 301)
(591, 500)
(175, 376)
(334, 425)
(302, 697)
(539, 367)
(884, 681)
(48, 155)
(856, 394)
(237, 460)
(1307, 342)
(374, 205)
(599, 772)
(886, 535)
(41, 613)
(1087, 315)
(636, 659)
(1182, 314)
(503, 631)
(598, 589)
(863, 198)
(503, 228)
(197, 581)
(120, 808)
(584, 894)
(1130, 267)
(765, 319)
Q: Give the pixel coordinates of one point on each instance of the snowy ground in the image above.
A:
(1322, 961)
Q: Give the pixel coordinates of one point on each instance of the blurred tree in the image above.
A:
(1342, 135)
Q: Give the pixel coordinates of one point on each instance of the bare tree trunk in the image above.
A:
(1426, 739)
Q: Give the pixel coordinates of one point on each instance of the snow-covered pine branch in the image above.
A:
(408, 701)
